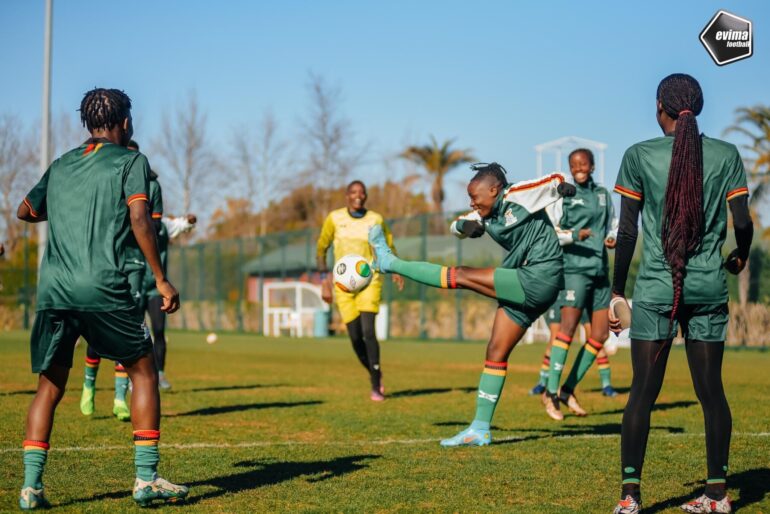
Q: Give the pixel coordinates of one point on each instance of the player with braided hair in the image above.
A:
(682, 183)
(525, 285)
(94, 198)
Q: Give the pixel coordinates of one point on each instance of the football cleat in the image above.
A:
(145, 492)
(705, 504)
(377, 396)
(609, 391)
(383, 255)
(551, 402)
(468, 437)
(538, 389)
(628, 505)
(33, 499)
(120, 410)
(572, 403)
(87, 400)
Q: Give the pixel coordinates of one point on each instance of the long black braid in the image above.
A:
(104, 108)
(491, 170)
(682, 227)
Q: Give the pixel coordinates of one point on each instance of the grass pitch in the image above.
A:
(275, 425)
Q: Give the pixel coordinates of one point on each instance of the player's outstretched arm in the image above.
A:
(141, 225)
(744, 233)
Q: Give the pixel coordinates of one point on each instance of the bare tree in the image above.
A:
(18, 172)
(184, 147)
(260, 160)
(329, 141)
(67, 133)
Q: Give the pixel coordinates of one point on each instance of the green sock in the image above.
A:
(146, 455)
(584, 361)
(604, 371)
(35, 455)
(121, 382)
(427, 273)
(490, 388)
(544, 369)
(92, 368)
(506, 281)
(559, 349)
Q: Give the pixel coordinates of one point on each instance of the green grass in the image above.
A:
(287, 425)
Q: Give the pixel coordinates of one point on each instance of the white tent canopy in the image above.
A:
(559, 147)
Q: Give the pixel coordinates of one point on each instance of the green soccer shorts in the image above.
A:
(585, 292)
(119, 335)
(541, 289)
(706, 322)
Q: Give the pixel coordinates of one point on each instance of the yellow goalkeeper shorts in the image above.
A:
(351, 305)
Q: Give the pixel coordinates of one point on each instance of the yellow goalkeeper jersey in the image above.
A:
(349, 234)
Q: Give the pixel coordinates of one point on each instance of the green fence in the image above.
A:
(220, 283)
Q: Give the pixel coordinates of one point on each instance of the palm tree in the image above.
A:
(438, 160)
(754, 124)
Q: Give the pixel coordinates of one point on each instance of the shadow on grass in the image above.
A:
(620, 390)
(222, 388)
(18, 393)
(262, 474)
(752, 485)
(658, 406)
(259, 474)
(406, 393)
(226, 409)
(562, 431)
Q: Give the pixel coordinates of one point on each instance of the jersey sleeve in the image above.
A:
(37, 197)
(629, 183)
(177, 226)
(156, 200)
(468, 216)
(326, 237)
(736, 178)
(555, 213)
(535, 195)
(136, 180)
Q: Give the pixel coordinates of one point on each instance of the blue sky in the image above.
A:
(500, 77)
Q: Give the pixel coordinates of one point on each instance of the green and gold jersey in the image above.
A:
(351, 235)
(521, 226)
(643, 176)
(590, 208)
(85, 194)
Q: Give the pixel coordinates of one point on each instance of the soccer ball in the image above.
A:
(352, 273)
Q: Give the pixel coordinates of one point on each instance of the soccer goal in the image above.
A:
(293, 308)
(558, 149)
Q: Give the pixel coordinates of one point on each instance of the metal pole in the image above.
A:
(241, 285)
(601, 166)
(45, 139)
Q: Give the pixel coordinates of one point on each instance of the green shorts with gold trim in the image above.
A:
(700, 322)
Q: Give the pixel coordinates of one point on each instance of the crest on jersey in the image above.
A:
(602, 199)
(510, 219)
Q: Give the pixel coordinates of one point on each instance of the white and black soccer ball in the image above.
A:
(352, 273)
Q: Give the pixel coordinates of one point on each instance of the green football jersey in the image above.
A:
(643, 176)
(85, 194)
(520, 225)
(590, 208)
